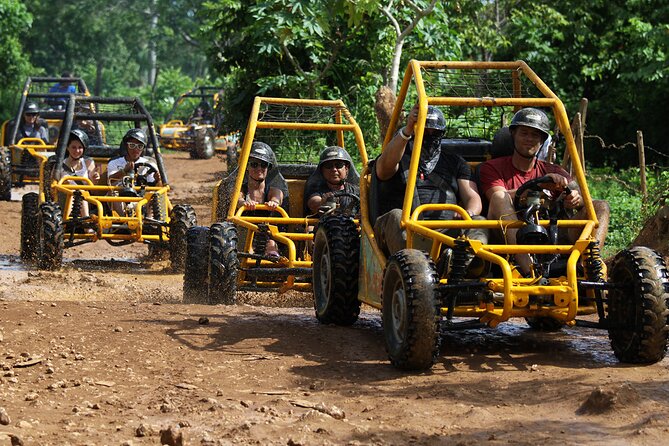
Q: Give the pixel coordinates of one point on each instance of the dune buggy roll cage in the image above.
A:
(516, 290)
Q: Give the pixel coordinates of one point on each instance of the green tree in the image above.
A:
(15, 21)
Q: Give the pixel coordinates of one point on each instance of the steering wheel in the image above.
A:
(352, 208)
(141, 179)
(535, 185)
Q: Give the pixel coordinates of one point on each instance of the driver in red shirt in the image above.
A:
(501, 177)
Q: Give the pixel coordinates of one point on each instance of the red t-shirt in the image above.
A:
(501, 172)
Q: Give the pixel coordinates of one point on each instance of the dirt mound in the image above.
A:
(655, 233)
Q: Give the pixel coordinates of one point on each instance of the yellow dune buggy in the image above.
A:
(137, 209)
(194, 125)
(19, 156)
(462, 283)
(230, 254)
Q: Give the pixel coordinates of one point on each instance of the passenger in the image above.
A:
(332, 176)
(78, 164)
(30, 125)
(442, 178)
(64, 86)
(257, 190)
(91, 127)
(501, 177)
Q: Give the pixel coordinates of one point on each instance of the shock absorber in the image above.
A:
(77, 201)
(460, 260)
(260, 239)
(157, 208)
(594, 264)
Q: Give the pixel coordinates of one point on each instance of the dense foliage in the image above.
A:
(613, 52)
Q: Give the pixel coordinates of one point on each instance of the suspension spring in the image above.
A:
(459, 261)
(594, 264)
(157, 208)
(260, 239)
(77, 202)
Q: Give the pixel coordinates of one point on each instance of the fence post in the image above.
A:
(642, 163)
(583, 110)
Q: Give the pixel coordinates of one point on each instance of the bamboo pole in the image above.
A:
(642, 163)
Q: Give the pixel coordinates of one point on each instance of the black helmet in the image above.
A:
(334, 153)
(31, 108)
(531, 117)
(79, 135)
(263, 152)
(435, 119)
(137, 134)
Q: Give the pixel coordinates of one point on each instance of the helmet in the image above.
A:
(137, 134)
(435, 119)
(31, 108)
(334, 153)
(531, 117)
(81, 136)
(263, 152)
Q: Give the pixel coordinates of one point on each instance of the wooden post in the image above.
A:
(642, 163)
(583, 110)
(576, 132)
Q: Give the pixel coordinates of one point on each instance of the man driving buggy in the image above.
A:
(501, 177)
(442, 178)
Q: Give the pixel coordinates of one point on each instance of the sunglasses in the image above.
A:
(335, 164)
(135, 146)
(261, 164)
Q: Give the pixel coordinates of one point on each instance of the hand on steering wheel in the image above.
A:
(141, 176)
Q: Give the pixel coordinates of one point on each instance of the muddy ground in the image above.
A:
(103, 352)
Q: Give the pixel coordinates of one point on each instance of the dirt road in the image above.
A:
(102, 352)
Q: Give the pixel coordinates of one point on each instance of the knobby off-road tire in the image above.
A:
(205, 144)
(50, 236)
(547, 324)
(196, 271)
(638, 319)
(335, 271)
(410, 310)
(223, 263)
(182, 218)
(5, 176)
(30, 227)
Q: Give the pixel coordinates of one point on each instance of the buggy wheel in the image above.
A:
(50, 236)
(410, 310)
(637, 311)
(29, 227)
(223, 263)
(335, 271)
(195, 287)
(5, 176)
(205, 144)
(182, 218)
(547, 324)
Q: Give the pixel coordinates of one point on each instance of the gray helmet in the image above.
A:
(31, 108)
(531, 117)
(79, 135)
(435, 119)
(334, 153)
(137, 134)
(263, 152)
